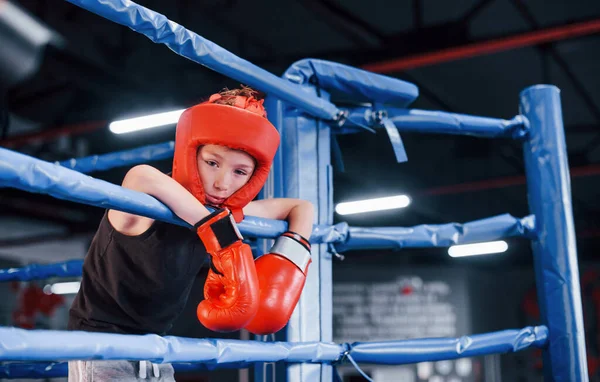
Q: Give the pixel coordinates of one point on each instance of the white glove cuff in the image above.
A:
(293, 251)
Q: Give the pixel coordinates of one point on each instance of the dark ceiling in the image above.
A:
(102, 71)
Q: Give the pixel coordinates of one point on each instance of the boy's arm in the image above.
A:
(147, 179)
(298, 213)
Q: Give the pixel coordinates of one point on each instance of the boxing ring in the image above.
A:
(299, 105)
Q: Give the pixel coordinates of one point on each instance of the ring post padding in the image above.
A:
(554, 249)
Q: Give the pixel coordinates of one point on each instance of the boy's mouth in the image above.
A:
(214, 200)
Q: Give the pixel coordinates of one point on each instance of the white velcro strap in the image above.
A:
(293, 251)
(142, 372)
(235, 227)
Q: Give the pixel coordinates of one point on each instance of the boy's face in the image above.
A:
(223, 171)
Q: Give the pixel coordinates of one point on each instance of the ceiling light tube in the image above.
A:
(63, 288)
(145, 122)
(369, 205)
(476, 249)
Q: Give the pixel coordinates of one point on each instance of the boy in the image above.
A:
(138, 273)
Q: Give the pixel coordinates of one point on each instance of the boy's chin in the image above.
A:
(214, 203)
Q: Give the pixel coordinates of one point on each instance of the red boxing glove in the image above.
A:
(281, 278)
(231, 287)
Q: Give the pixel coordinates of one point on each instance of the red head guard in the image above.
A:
(242, 126)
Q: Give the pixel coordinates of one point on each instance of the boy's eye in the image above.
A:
(241, 172)
(211, 163)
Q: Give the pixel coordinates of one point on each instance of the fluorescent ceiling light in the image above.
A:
(145, 122)
(478, 249)
(62, 288)
(368, 205)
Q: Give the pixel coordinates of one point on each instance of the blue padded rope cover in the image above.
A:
(442, 235)
(435, 349)
(356, 84)
(34, 175)
(120, 158)
(188, 44)
(71, 268)
(43, 345)
(439, 122)
(356, 238)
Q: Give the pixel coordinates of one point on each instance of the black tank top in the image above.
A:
(136, 284)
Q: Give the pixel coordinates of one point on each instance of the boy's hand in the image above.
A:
(231, 289)
(281, 278)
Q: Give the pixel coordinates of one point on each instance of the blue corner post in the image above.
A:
(554, 249)
(302, 169)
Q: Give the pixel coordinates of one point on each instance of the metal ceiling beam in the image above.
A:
(51, 134)
(520, 40)
(217, 15)
(550, 50)
(417, 14)
(429, 94)
(436, 36)
(352, 27)
(502, 182)
(560, 61)
(474, 11)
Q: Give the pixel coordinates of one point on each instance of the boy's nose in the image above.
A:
(221, 182)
